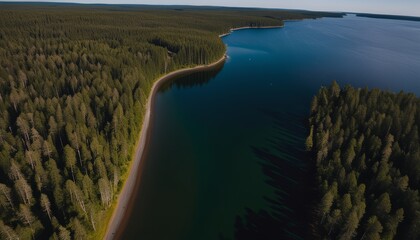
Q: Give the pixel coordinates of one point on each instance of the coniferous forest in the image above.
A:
(74, 81)
(367, 151)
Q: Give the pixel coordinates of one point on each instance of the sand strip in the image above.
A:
(126, 197)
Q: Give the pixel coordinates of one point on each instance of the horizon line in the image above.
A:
(198, 6)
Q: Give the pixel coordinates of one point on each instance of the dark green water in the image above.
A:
(226, 152)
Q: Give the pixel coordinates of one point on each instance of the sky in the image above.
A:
(397, 7)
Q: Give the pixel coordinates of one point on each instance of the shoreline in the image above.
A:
(130, 186)
(242, 28)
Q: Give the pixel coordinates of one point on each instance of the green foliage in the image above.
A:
(74, 82)
(378, 173)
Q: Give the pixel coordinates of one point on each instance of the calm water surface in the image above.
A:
(220, 139)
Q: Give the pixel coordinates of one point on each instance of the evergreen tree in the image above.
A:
(377, 176)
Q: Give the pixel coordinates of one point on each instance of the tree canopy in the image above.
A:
(367, 151)
(74, 82)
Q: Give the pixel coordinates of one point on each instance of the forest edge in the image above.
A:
(126, 197)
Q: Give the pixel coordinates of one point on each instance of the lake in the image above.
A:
(226, 149)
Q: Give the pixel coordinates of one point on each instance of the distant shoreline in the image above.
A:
(392, 17)
(241, 28)
(126, 197)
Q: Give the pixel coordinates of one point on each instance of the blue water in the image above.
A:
(226, 154)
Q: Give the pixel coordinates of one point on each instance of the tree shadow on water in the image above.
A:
(192, 79)
(287, 168)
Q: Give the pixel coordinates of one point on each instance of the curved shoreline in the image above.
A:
(130, 187)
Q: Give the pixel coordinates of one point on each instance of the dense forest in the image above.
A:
(74, 81)
(384, 16)
(366, 147)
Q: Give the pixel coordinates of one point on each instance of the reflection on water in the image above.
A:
(226, 157)
(281, 162)
(189, 80)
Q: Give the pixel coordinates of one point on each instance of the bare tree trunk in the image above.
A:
(61, 140)
(6, 192)
(46, 205)
(24, 190)
(78, 150)
(92, 220)
(7, 232)
(31, 161)
(81, 203)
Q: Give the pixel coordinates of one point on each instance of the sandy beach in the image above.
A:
(126, 196)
